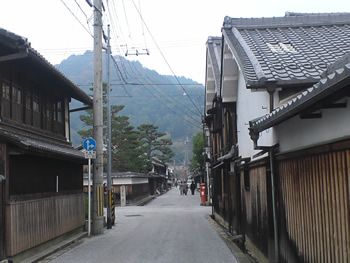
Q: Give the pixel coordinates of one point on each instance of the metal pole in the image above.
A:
(97, 206)
(89, 199)
(109, 134)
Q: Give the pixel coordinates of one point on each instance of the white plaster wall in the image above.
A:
(125, 181)
(122, 181)
(251, 104)
(298, 133)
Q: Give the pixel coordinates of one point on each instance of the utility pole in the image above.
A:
(109, 134)
(97, 205)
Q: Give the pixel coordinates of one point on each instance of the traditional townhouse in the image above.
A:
(277, 115)
(41, 174)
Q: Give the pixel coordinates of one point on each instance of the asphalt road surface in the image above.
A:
(172, 228)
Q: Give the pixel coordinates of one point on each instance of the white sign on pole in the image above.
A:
(90, 154)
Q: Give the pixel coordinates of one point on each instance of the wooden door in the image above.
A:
(2, 221)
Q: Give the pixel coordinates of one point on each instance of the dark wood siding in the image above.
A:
(255, 208)
(27, 103)
(32, 175)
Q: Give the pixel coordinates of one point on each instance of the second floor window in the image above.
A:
(59, 112)
(6, 91)
(36, 104)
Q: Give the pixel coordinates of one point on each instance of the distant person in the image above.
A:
(193, 187)
(184, 188)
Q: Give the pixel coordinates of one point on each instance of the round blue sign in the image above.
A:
(89, 144)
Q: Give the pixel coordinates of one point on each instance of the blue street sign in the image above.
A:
(89, 144)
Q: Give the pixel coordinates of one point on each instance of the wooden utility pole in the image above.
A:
(97, 205)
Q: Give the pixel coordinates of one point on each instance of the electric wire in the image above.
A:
(127, 23)
(143, 31)
(124, 71)
(148, 82)
(87, 19)
(165, 58)
(115, 62)
(77, 18)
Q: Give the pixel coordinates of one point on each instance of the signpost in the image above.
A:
(89, 146)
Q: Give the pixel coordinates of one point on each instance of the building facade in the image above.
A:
(41, 188)
(276, 107)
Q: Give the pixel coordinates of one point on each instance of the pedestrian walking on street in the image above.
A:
(193, 187)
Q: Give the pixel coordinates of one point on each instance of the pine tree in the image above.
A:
(127, 150)
(154, 145)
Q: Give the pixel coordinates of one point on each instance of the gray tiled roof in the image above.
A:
(290, 50)
(214, 45)
(131, 175)
(40, 145)
(336, 77)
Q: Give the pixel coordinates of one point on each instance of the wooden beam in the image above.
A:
(335, 105)
(310, 115)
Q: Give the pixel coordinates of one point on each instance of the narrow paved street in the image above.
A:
(172, 228)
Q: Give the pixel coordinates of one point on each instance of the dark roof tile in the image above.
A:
(41, 145)
(336, 77)
(316, 40)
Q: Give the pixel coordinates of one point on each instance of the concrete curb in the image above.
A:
(240, 256)
(55, 248)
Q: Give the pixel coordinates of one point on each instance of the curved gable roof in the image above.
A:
(290, 50)
(214, 56)
(334, 79)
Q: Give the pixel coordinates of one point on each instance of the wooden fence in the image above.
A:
(30, 223)
(315, 195)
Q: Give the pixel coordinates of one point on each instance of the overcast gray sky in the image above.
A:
(179, 28)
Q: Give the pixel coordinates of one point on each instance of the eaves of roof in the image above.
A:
(46, 147)
(335, 80)
(17, 43)
(128, 175)
(75, 91)
(291, 50)
(214, 45)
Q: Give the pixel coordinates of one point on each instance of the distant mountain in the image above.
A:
(148, 98)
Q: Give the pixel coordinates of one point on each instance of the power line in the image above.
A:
(165, 59)
(87, 19)
(76, 18)
(149, 80)
(160, 101)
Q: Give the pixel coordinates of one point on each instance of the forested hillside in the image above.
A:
(149, 98)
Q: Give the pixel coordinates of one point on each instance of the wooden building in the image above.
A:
(277, 94)
(137, 187)
(41, 174)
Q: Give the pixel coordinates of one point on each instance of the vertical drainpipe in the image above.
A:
(274, 212)
(271, 88)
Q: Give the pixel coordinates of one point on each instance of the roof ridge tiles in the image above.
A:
(289, 20)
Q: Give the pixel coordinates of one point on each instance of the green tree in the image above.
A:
(197, 161)
(89, 121)
(127, 150)
(154, 145)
